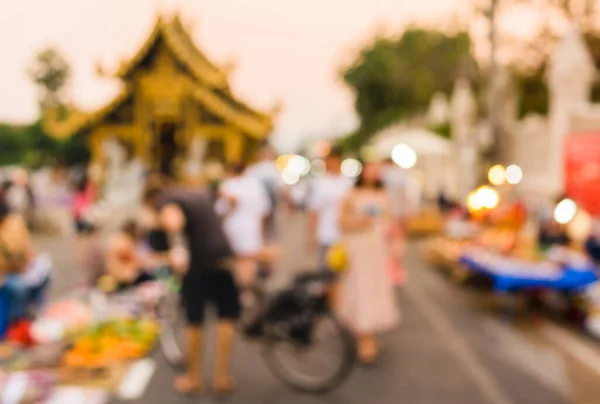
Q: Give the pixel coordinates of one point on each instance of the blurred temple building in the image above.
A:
(175, 108)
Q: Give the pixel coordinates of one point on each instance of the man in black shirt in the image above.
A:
(204, 264)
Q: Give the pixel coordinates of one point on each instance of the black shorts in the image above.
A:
(216, 287)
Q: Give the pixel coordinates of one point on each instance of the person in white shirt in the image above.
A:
(244, 204)
(265, 170)
(324, 204)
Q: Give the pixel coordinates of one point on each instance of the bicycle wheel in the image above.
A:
(331, 352)
(253, 303)
(171, 320)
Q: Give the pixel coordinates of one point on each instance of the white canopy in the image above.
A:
(422, 141)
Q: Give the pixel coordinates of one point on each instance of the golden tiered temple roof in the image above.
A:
(208, 84)
(179, 41)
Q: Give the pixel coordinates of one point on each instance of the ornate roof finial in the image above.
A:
(276, 108)
(229, 66)
(100, 71)
(159, 6)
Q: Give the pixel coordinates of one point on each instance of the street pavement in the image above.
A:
(448, 349)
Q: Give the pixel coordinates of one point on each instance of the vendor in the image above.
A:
(552, 233)
(592, 244)
(124, 260)
(22, 280)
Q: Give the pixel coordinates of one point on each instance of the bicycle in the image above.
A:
(287, 325)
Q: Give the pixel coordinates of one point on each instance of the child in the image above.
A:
(124, 263)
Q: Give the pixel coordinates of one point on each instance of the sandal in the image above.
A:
(185, 385)
(224, 389)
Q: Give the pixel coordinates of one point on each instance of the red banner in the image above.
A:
(582, 170)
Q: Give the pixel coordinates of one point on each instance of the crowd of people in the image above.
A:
(219, 242)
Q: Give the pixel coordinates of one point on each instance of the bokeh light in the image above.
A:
(282, 162)
(514, 174)
(565, 211)
(473, 202)
(351, 167)
(497, 175)
(290, 177)
(488, 197)
(317, 168)
(404, 156)
(483, 198)
(306, 168)
(299, 165)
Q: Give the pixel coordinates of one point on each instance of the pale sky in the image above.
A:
(286, 50)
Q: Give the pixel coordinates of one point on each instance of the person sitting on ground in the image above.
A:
(23, 278)
(124, 263)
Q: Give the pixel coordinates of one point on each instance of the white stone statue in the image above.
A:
(463, 111)
(571, 74)
(195, 157)
(124, 176)
(484, 136)
(571, 70)
(438, 111)
(463, 117)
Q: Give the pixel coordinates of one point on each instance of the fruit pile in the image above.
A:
(112, 342)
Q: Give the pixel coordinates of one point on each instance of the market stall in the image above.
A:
(80, 349)
(561, 269)
(522, 257)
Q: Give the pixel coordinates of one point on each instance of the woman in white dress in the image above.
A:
(367, 301)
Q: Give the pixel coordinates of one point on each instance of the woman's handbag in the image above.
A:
(337, 258)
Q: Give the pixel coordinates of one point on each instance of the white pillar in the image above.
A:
(463, 115)
(571, 74)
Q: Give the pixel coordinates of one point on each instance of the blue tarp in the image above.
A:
(566, 278)
(3, 312)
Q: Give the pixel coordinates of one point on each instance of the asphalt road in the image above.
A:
(448, 349)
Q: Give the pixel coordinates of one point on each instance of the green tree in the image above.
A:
(11, 144)
(41, 149)
(75, 150)
(395, 78)
(50, 72)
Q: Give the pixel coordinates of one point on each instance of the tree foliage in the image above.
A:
(395, 78)
(51, 72)
(29, 145)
